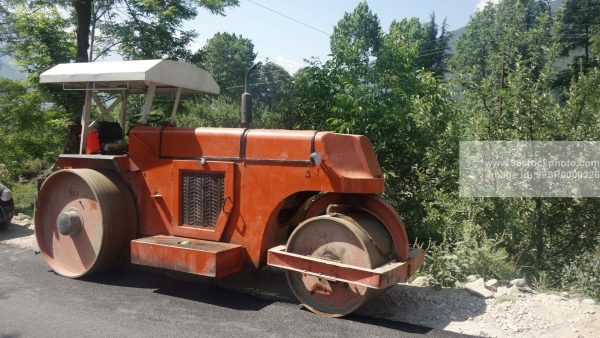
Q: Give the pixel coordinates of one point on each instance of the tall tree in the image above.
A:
(434, 51)
(580, 22)
(227, 57)
(135, 29)
(357, 37)
(503, 68)
(498, 43)
(390, 98)
(272, 87)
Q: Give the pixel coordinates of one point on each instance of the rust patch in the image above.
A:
(73, 193)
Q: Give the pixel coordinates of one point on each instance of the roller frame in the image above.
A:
(379, 278)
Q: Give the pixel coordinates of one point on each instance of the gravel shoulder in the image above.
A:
(508, 312)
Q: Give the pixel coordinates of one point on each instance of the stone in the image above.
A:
(477, 287)
(588, 301)
(503, 290)
(519, 282)
(492, 283)
(471, 278)
(513, 327)
(527, 289)
(420, 281)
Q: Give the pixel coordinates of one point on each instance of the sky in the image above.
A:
(288, 41)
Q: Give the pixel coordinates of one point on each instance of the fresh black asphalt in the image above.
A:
(128, 302)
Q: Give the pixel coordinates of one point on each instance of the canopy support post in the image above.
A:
(123, 110)
(85, 119)
(148, 104)
(175, 105)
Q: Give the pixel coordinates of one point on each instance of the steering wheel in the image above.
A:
(153, 119)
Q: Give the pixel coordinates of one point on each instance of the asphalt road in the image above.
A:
(128, 302)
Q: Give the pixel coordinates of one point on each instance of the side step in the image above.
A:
(212, 259)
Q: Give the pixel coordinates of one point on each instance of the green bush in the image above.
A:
(222, 112)
(33, 131)
(455, 257)
(583, 275)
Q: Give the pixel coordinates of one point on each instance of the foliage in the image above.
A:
(272, 88)
(227, 57)
(504, 72)
(31, 130)
(220, 112)
(583, 274)
(39, 36)
(579, 25)
(451, 260)
(357, 37)
(24, 197)
(403, 108)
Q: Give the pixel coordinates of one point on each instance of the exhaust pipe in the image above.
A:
(246, 115)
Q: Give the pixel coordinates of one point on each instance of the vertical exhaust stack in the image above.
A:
(246, 116)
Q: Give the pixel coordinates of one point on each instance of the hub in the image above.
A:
(69, 223)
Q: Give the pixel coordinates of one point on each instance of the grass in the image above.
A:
(24, 196)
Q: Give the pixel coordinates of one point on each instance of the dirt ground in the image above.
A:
(514, 314)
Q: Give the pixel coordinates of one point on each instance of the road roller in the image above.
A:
(215, 201)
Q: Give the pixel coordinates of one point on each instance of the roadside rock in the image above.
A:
(492, 283)
(504, 290)
(519, 282)
(420, 281)
(477, 287)
(22, 220)
(588, 301)
(471, 278)
(526, 289)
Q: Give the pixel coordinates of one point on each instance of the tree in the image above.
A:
(501, 41)
(135, 29)
(357, 37)
(580, 22)
(138, 29)
(434, 50)
(504, 70)
(272, 87)
(30, 136)
(227, 57)
(376, 85)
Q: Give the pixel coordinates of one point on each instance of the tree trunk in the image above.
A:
(83, 10)
(539, 229)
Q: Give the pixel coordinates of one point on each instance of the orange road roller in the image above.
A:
(215, 201)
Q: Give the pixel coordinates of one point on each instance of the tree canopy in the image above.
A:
(227, 57)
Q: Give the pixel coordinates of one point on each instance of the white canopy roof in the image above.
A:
(133, 76)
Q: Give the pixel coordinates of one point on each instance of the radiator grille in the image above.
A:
(201, 198)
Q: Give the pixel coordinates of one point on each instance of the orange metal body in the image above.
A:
(262, 170)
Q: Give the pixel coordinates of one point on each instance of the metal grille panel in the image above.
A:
(202, 198)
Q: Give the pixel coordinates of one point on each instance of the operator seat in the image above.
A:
(110, 135)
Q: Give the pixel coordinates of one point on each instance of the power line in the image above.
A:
(289, 18)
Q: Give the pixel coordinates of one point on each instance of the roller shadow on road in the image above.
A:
(179, 285)
(404, 308)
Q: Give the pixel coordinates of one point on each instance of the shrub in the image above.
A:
(583, 275)
(452, 259)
